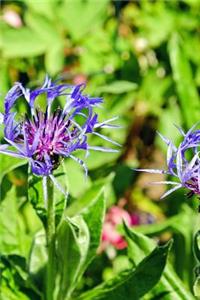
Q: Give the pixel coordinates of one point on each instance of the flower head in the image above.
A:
(183, 163)
(46, 136)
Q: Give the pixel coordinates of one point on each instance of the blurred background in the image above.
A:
(143, 58)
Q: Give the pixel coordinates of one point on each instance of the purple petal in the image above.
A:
(13, 94)
(107, 139)
(102, 149)
(11, 153)
(153, 171)
(165, 182)
(171, 191)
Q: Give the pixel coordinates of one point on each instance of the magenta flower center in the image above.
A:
(50, 136)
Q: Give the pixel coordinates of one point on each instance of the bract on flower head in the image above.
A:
(183, 162)
(45, 137)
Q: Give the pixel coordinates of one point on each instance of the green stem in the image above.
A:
(50, 236)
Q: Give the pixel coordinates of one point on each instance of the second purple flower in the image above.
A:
(183, 163)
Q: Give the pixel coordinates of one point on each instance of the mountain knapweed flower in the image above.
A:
(183, 163)
(45, 137)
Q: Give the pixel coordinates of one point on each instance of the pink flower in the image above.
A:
(115, 216)
(12, 18)
(135, 219)
(80, 78)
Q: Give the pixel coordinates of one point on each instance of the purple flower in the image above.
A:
(46, 137)
(183, 163)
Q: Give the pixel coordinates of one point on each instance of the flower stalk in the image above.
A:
(50, 237)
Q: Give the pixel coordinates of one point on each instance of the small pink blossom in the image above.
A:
(12, 18)
(117, 214)
(114, 217)
(80, 78)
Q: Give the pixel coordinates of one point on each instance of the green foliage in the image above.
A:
(197, 245)
(73, 237)
(21, 43)
(12, 233)
(9, 164)
(169, 286)
(82, 16)
(118, 87)
(133, 284)
(183, 227)
(79, 236)
(143, 58)
(184, 81)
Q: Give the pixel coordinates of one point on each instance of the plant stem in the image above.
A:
(50, 236)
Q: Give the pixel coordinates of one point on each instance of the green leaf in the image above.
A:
(76, 178)
(118, 87)
(49, 32)
(46, 8)
(132, 284)
(94, 217)
(22, 42)
(13, 238)
(80, 237)
(148, 19)
(194, 3)
(90, 196)
(8, 294)
(182, 225)
(154, 98)
(170, 286)
(38, 256)
(98, 159)
(166, 123)
(72, 248)
(183, 77)
(36, 196)
(43, 27)
(54, 58)
(197, 245)
(9, 163)
(14, 275)
(4, 79)
(196, 288)
(80, 15)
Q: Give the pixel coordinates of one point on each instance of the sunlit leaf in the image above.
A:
(22, 42)
(80, 237)
(12, 231)
(182, 74)
(197, 245)
(118, 87)
(9, 163)
(134, 283)
(81, 15)
(184, 225)
(89, 197)
(170, 286)
(72, 247)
